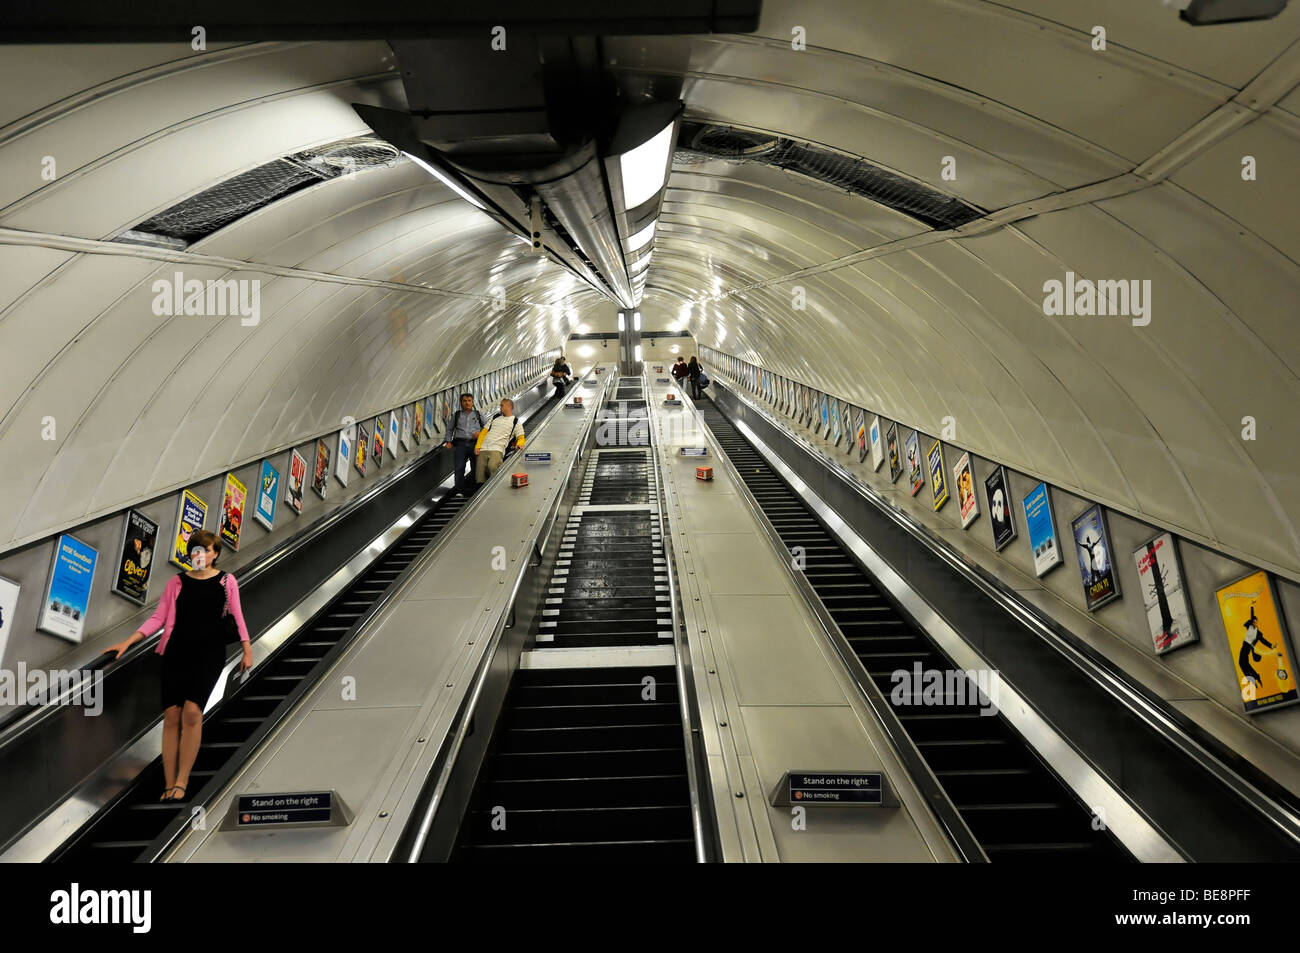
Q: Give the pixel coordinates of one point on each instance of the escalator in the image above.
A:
(1015, 806)
(126, 829)
(588, 757)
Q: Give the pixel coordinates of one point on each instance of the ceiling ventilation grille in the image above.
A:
(700, 142)
(200, 215)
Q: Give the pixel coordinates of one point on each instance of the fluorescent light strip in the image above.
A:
(644, 169)
(451, 184)
(642, 238)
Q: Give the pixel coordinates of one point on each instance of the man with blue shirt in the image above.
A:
(463, 428)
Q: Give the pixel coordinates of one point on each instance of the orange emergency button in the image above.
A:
(704, 473)
(577, 399)
(519, 479)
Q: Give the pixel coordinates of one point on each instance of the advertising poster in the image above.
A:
(938, 475)
(823, 415)
(406, 429)
(998, 494)
(431, 425)
(190, 516)
(297, 480)
(877, 448)
(321, 474)
(9, 591)
(1259, 644)
(417, 420)
(395, 428)
(233, 500)
(1042, 530)
(343, 460)
(964, 481)
(915, 471)
(1160, 577)
(860, 432)
(791, 398)
(1092, 545)
(895, 458)
(846, 419)
(378, 454)
(268, 495)
(68, 593)
(134, 560)
(361, 452)
(834, 433)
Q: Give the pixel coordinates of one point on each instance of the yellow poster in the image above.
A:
(1260, 649)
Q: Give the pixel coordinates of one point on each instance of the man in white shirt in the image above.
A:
(503, 431)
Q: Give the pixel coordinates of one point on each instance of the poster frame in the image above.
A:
(121, 559)
(1091, 604)
(266, 520)
(43, 619)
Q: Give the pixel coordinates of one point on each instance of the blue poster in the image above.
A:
(268, 494)
(1042, 530)
(68, 595)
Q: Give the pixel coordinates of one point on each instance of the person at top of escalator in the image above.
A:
(693, 371)
(560, 374)
(193, 650)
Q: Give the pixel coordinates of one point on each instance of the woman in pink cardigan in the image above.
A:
(193, 648)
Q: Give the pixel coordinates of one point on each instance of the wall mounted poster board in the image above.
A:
(850, 434)
(321, 473)
(1258, 641)
(964, 481)
(191, 513)
(833, 433)
(938, 475)
(998, 495)
(915, 469)
(395, 432)
(343, 461)
(134, 558)
(361, 452)
(9, 592)
(1096, 561)
(1160, 577)
(877, 448)
(297, 480)
(234, 499)
(895, 457)
(823, 416)
(860, 433)
(417, 421)
(407, 432)
(1042, 530)
(268, 495)
(378, 454)
(67, 595)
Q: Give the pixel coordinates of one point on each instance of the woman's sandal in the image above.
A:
(173, 797)
(166, 795)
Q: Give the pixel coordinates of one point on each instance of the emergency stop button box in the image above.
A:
(704, 473)
(519, 479)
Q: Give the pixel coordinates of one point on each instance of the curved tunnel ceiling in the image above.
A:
(1123, 163)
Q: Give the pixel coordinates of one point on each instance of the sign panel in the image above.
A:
(915, 470)
(857, 788)
(998, 494)
(1257, 638)
(537, 457)
(9, 592)
(321, 474)
(694, 451)
(344, 462)
(297, 809)
(191, 513)
(895, 460)
(1160, 577)
(233, 501)
(268, 495)
(297, 479)
(67, 596)
(1092, 542)
(965, 483)
(1042, 530)
(877, 449)
(361, 452)
(380, 442)
(134, 559)
(938, 475)
(396, 433)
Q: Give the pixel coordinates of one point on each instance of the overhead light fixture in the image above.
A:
(451, 183)
(638, 353)
(643, 237)
(636, 321)
(645, 168)
(620, 320)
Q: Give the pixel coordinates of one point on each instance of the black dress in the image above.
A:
(196, 650)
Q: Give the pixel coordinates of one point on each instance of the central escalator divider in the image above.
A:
(1015, 806)
(588, 757)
